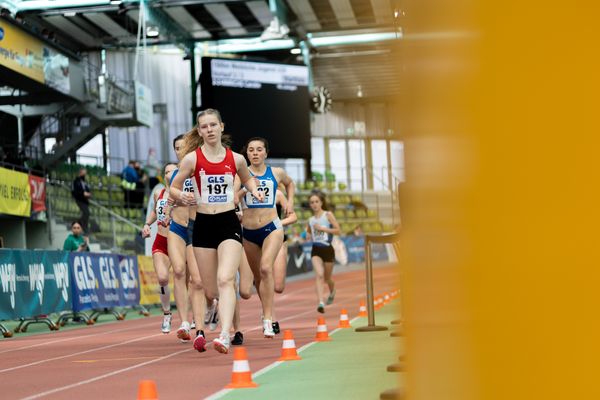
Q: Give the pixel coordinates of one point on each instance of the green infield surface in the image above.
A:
(351, 366)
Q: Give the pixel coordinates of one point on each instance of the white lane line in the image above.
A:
(269, 367)
(84, 336)
(78, 353)
(108, 375)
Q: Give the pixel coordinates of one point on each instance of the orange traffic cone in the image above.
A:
(362, 310)
(147, 390)
(344, 323)
(288, 348)
(386, 298)
(378, 303)
(322, 334)
(241, 377)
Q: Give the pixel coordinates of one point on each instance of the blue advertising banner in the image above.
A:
(128, 270)
(33, 283)
(104, 281)
(355, 246)
(95, 281)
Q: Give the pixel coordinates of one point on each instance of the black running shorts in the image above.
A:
(326, 253)
(210, 230)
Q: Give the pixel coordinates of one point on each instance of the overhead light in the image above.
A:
(70, 14)
(152, 31)
(295, 50)
(359, 92)
(46, 4)
(275, 30)
(116, 2)
(317, 41)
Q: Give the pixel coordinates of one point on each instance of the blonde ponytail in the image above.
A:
(192, 140)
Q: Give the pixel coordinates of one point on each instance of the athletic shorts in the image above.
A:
(160, 245)
(181, 231)
(326, 253)
(210, 230)
(258, 236)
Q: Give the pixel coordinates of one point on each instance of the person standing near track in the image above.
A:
(184, 263)
(160, 252)
(321, 228)
(217, 237)
(263, 230)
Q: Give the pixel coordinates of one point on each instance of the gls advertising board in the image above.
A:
(104, 281)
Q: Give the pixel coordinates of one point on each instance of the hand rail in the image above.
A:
(105, 209)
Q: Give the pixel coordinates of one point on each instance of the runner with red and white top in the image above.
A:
(217, 238)
(160, 253)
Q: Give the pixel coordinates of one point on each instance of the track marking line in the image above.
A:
(78, 353)
(108, 375)
(84, 336)
(113, 359)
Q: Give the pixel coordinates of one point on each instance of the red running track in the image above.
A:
(107, 361)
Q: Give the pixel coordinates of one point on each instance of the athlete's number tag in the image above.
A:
(319, 236)
(161, 206)
(217, 189)
(266, 186)
(188, 185)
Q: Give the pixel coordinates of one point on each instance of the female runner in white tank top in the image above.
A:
(321, 228)
(217, 237)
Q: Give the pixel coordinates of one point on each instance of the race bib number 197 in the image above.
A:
(216, 189)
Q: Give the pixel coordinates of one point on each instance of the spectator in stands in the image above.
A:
(76, 241)
(140, 185)
(81, 193)
(153, 168)
(129, 180)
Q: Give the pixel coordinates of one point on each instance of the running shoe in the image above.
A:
(166, 324)
(183, 333)
(211, 318)
(193, 325)
(321, 308)
(268, 329)
(238, 339)
(200, 341)
(331, 297)
(222, 343)
(276, 327)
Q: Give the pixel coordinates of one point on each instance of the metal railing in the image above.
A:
(114, 217)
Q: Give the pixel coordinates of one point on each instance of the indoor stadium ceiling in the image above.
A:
(348, 68)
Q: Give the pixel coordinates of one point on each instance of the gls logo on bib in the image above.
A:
(216, 179)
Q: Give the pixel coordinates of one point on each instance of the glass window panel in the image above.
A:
(380, 164)
(317, 162)
(358, 178)
(397, 154)
(91, 152)
(337, 158)
(293, 166)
